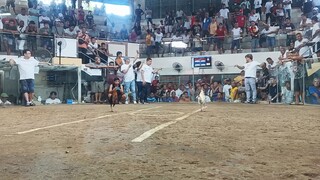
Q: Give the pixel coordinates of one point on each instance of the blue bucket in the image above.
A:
(69, 101)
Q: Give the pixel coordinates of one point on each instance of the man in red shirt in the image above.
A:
(241, 20)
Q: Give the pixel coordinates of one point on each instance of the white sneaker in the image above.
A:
(134, 102)
(127, 102)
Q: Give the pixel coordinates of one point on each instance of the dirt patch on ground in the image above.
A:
(227, 141)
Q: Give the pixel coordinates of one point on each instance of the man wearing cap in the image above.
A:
(26, 66)
(250, 69)
(129, 78)
(4, 99)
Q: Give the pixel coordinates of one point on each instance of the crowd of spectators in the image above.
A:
(260, 21)
(39, 20)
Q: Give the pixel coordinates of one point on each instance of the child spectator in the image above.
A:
(53, 99)
(174, 97)
(152, 98)
(234, 92)
(287, 94)
(226, 90)
(167, 97)
(236, 36)
(184, 98)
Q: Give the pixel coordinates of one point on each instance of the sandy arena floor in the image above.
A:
(227, 141)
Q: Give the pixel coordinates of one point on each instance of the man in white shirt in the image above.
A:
(92, 47)
(270, 32)
(300, 45)
(129, 79)
(23, 17)
(26, 66)
(180, 90)
(305, 24)
(158, 41)
(257, 6)
(236, 36)
(268, 7)
(147, 73)
(316, 35)
(224, 12)
(287, 7)
(70, 32)
(44, 18)
(226, 90)
(250, 69)
(53, 99)
(254, 16)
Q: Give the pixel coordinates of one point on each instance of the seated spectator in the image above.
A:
(151, 98)
(53, 99)
(44, 19)
(90, 19)
(124, 33)
(180, 90)
(46, 42)
(305, 26)
(104, 52)
(4, 99)
(287, 93)
(234, 92)
(226, 90)
(133, 36)
(94, 32)
(92, 48)
(314, 91)
(216, 91)
(9, 39)
(239, 78)
(32, 31)
(184, 98)
(70, 32)
(273, 90)
(167, 97)
(57, 29)
(174, 97)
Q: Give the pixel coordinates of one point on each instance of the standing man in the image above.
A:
(83, 42)
(139, 12)
(129, 79)
(97, 86)
(146, 77)
(26, 66)
(250, 69)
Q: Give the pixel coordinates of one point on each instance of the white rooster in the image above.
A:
(202, 99)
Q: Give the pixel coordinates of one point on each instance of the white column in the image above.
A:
(79, 84)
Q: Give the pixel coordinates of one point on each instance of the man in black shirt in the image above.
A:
(139, 12)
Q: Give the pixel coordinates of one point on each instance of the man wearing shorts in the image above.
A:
(26, 66)
(97, 86)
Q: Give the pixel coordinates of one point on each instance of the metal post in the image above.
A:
(160, 8)
(79, 84)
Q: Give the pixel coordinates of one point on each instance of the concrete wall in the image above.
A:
(229, 61)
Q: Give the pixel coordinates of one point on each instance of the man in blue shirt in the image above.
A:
(205, 25)
(315, 91)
